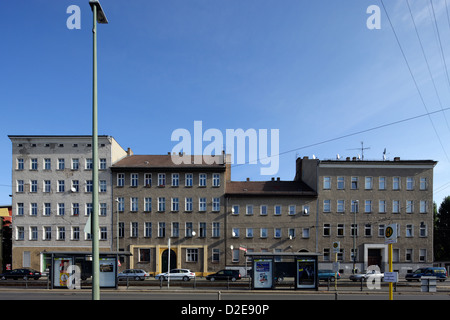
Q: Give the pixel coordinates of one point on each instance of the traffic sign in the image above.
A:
(391, 277)
(336, 247)
(390, 234)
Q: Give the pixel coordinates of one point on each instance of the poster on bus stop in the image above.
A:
(262, 271)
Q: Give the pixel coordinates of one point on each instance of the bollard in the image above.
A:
(335, 296)
(361, 284)
(219, 295)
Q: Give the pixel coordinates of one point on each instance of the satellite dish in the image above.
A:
(314, 156)
(73, 189)
(338, 156)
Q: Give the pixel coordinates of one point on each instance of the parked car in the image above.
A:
(176, 274)
(328, 275)
(136, 274)
(232, 275)
(439, 272)
(367, 275)
(23, 273)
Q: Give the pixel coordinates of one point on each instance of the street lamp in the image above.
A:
(99, 16)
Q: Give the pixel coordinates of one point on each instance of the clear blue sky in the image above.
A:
(311, 69)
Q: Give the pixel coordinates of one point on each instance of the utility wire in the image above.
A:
(414, 79)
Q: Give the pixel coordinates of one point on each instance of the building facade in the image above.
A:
(192, 214)
(163, 208)
(52, 195)
(357, 200)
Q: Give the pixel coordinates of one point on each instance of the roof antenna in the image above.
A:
(361, 157)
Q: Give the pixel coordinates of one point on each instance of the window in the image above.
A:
(305, 233)
(147, 204)
(396, 183)
(341, 206)
(120, 204)
(103, 209)
(409, 183)
(47, 234)
(88, 164)
(326, 230)
(216, 180)
(47, 209)
(263, 210)
(263, 233)
(102, 164)
(368, 206)
(327, 182)
(75, 209)
(33, 233)
(121, 229)
(423, 206)
(216, 205)
(202, 204)
(369, 183)
(61, 231)
(191, 255)
(161, 179)
(202, 179)
(175, 229)
(89, 186)
(88, 209)
(61, 209)
(215, 255)
(235, 209)
(235, 255)
(422, 255)
(326, 254)
(189, 229)
(408, 255)
(33, 186)
(368, 230)
(19, 186)
(382, 183)
(340, 183)
(382, 206)
(340, 230)
(277, 233)
(249, 209)
(102, 186)
(291, 233)
(188, 205)
(381, 230)
(188, 180)
(292, 210)
(20, 164)
(34, 164)
(147, 180)
(409, 231)
(354, 230)
(33, 209)
(134, 180)
(134, 204)
(61, 186)
(134, 229)
(20, 233)
(120, 179)
(147, 229)
(61, 164)
(326, 205)
(354, 183)
(75, 186)
(423, 229)
(144, 255)
(175, 205)
(75, 164)
(47, 186)
(161, 204)
(216, 229)
(19, 209)
(249, 232)
(395, 206)
(423, 183)
(277, 210)
(409, 206)
(202, 230)
(235, 232)
(175, 179)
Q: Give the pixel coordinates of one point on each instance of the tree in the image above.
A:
(442, 231)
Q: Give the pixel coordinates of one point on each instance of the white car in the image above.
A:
(136, 274)
(176, 274)
(365, 276)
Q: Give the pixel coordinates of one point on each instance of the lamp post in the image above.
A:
(99, 16)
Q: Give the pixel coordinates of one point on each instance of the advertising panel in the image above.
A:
(61, 272)
(306, 273)
(262, 273)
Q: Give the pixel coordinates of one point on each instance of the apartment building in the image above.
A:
(358, 199)
(162, 207)
(52, 195)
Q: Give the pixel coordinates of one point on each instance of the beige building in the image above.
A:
(52, 195)
(160, 204)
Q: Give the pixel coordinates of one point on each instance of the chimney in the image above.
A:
(129, 152)
(248, 179)
(397, 159)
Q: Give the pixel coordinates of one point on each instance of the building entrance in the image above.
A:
(374, 257)
(165, 260)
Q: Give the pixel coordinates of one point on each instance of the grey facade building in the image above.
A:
(52, 195)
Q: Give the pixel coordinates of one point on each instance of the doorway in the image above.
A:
(165, 260)
(374, 258)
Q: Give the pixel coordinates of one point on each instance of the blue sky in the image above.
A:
(311, 69)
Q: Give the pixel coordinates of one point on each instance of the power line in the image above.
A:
(414, 79)
(351, 134)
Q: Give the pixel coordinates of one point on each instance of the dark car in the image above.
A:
(23, 273)
(232, 275)
(439, 272)
(328, 275)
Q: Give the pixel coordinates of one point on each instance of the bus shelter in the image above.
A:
(69, 268)
(268, 268)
